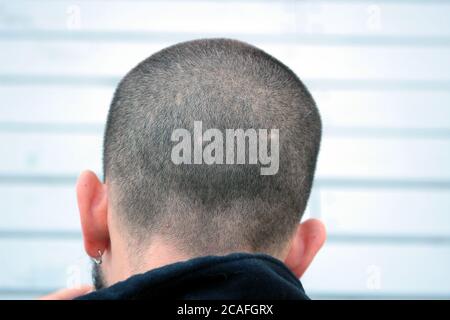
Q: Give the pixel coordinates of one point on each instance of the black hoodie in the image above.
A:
(236, 276)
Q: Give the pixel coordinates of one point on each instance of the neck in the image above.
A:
(123, 260)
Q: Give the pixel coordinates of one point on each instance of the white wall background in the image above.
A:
(380, 73)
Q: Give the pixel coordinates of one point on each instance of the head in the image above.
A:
(150, 210)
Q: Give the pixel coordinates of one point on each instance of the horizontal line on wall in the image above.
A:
(44, 234)
(375, 294)
(313, 84)
(71, 235)
(385, 132)
(287, 1)
(319, 183)
(173, 37)
(370, 183)
(97, 129)
(389, 239)
(27, 291)
(377, 84)
(38, 179)
(26, 128)
(60, 80)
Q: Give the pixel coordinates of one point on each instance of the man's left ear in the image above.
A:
(93, 207)
(307, 241)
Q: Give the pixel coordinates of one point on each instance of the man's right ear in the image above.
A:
(307, 241)
(93, 206)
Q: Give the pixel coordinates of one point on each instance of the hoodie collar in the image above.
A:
(235, 276)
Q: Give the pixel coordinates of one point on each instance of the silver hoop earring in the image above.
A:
(98, 260)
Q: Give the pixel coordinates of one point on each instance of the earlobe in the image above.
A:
(306, 242)
(93, 208)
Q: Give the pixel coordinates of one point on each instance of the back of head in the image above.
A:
(210, 208)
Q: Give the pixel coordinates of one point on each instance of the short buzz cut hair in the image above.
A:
(210, 209)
